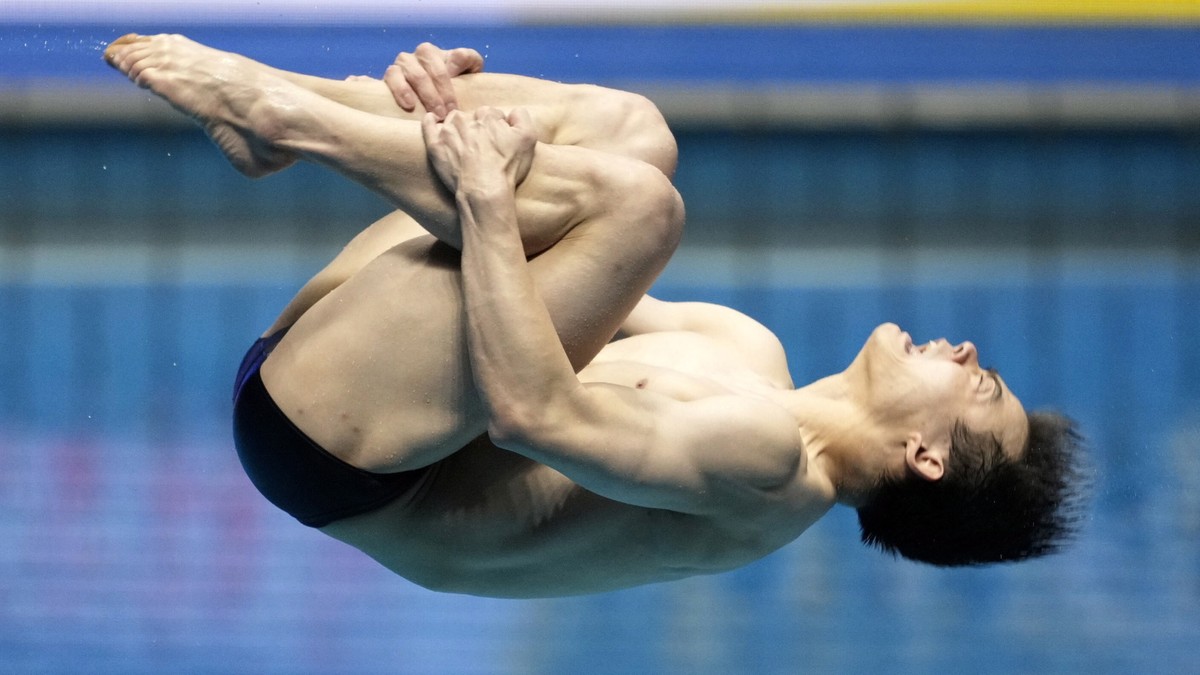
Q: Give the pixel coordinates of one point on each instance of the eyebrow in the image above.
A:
(999, 385)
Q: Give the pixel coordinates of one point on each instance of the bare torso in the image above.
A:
(490, 522)
(375, 368)
(377, 373)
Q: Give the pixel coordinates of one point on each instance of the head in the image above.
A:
(965, 476)
(988, 506)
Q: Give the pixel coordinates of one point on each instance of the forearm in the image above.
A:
(629, 216)
(608, 439)
(536, 405)
(518, 361)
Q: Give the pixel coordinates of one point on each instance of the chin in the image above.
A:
(885, 355)
(886, 343)
(890, 340)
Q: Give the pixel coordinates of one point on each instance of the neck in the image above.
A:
(841, 439)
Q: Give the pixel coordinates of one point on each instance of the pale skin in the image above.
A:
(681, 448)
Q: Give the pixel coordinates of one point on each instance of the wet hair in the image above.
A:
(987, 507)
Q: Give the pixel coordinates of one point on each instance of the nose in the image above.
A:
(965, 353)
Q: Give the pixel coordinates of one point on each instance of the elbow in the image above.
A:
(524, 426)
(512, 427)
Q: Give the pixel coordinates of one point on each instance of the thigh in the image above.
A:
(377, 372)
(383, 234)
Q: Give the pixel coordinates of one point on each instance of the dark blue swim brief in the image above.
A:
(288, 468)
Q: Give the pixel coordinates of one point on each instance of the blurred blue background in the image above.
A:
(1031, 184)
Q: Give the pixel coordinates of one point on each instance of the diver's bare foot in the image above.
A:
(237, 103)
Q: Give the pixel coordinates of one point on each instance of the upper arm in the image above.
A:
(757, 346)
(654, 316)
(645, 449)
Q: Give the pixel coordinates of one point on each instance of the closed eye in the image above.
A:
(998, 391)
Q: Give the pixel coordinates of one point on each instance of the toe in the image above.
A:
(118, 45)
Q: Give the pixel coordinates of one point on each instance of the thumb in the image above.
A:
(464, 60)
(429, 128)
(520, 119)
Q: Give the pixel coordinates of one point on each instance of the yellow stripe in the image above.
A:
(992, 11)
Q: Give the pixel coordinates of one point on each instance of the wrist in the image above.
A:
(476, 193)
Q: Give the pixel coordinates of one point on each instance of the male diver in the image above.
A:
(478, 393)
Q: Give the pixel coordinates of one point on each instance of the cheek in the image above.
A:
(933, 383)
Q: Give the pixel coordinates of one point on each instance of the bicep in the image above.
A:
(644, 449)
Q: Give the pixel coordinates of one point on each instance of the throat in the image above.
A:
(841, 442)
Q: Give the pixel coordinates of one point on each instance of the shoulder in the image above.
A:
(758, 484)
(756, 343)
(742, 445)
(652, 315)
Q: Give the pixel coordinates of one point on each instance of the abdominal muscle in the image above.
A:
(489, 522)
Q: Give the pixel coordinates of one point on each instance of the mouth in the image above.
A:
(908, 347)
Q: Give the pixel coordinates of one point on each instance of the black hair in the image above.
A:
(987, 507)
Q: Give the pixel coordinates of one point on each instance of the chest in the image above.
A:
(684, 366)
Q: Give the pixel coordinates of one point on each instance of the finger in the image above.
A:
(463, 60)
(460, 121)
(433, 62)
(520, 117)
(422, 84)
(445, 143)
(488, 113)
(401, 91)
(429, 129)
(429, 50)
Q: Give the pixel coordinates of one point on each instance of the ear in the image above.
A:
(926, 459)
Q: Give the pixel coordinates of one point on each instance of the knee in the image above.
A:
(655, 207)
(649, 137)
(669, 210)
(629, 124)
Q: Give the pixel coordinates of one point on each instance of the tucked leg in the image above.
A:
(376, 371)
